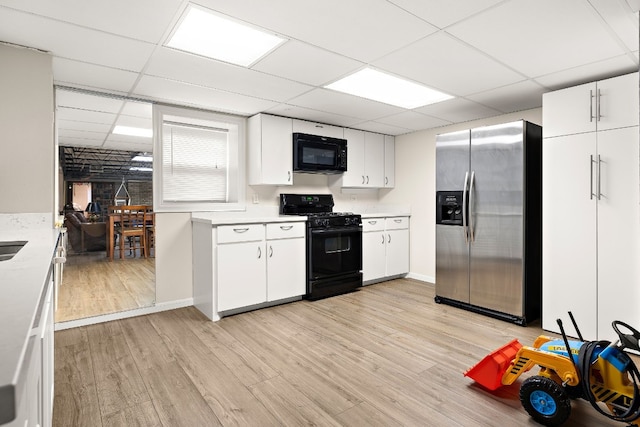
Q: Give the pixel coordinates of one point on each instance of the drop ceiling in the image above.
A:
(494, 56)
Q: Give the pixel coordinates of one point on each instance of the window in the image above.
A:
(198, 160)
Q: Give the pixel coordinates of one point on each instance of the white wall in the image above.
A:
(27, 153)
(416, 186)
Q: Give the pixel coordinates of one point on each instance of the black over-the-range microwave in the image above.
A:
(319, 154)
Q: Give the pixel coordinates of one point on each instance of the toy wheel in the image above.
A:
(545, 400)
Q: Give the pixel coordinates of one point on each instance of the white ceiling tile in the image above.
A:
(176, 65)
(75, 114)
(85, 101)
(442, 13)
(128, 139)
(412, 120)
(191, 95)
(458, 110)
(79, 134)
(83, 126)
(517, 97)
(363, 30)
(138, 109)
(114, 16)
(303, 113)
(539, 39)
(339, 103)
(596, 71)
(443, 63)
(73, 42)
(307, 64)
(80, 74)
(128, 145)
(622, 23)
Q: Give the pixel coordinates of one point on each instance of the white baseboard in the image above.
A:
(158, 307)
(422, 278)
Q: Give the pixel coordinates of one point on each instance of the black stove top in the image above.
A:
(319, 209)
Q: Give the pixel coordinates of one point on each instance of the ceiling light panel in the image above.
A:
(133, 131)
(378, 86)
(205, 33)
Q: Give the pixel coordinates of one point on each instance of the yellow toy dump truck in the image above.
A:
(598, 371)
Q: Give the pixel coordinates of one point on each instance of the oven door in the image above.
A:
(334, 251)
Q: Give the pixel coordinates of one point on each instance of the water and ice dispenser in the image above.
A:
(449, 207)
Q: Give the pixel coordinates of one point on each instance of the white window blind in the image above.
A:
(195, 162)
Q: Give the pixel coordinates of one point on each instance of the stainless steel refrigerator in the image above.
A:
(489, 220)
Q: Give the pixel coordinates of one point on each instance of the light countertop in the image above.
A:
(22, 281)
(225, 218)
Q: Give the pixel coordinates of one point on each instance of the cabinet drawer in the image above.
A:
(372, 224)
(285, 230)
(397, 223)
(240, 233)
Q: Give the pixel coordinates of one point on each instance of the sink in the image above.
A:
(9, 249)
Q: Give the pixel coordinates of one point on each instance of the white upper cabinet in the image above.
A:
(365, 159)
(607, 104)
(389, 161)
(270, 150)
(302, 126)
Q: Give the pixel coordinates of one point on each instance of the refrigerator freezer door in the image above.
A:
(452, 249)
(496, 212)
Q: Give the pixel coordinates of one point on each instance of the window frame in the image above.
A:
(237, 166)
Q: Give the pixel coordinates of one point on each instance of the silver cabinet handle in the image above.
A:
(383, 238)
(389, 236)
(591, 177)
(241, 230)
(386, 180)
(288, 176)
(591, 106)
(599, 176)
(367, 179)
(363, 179)
(259, 252)
(464, 208)
(372, 222)
(598, 103)
(270, 251)
(471, 206)
(397, 221)
(286, 227)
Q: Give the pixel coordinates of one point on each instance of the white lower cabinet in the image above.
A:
(385, 247)
(244, 265)
(286, 261)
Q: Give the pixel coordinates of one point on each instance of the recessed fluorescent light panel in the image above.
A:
(140, 169)
(132, 131)
(371, 84)
(205, 33)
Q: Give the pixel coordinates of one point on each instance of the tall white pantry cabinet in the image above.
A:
(591, 206)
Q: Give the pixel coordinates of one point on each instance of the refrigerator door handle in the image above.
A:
(464, 208)
(471, 225)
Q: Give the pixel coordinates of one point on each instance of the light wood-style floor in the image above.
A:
(92, 285)
(386, 355)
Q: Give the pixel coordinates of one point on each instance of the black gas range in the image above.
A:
(334, 244)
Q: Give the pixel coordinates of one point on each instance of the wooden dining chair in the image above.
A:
(132, 225)
(150, 237)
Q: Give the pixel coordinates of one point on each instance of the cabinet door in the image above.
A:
(270, 150)
(618, 231)
(373, 255)
(569, 111)
(618, 102)
(569, 232)
(241, 275)
(374, 160)
(321, 129)
(286, 267)
(354, 176)
(397, 252)
(389, 161)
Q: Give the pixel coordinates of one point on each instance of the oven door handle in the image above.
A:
(333, 230)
